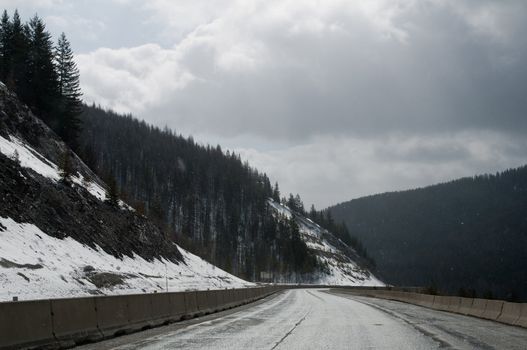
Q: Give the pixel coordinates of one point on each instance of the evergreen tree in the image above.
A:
(69, 90)
(16, 62)
(276, 193)
(66, 167)
(313, 213)
(5, 45)
(41, 93)
(112, 192)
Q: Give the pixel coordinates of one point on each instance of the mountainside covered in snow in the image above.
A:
(61, 237)
(337, 263)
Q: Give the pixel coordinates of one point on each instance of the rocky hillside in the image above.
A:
(338, 263)
(50, 227)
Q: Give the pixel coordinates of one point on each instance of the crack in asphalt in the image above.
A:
(291, 330)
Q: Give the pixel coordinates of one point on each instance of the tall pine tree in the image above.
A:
(70, 92)
(5, 45)
(16, 48)
(41, 94)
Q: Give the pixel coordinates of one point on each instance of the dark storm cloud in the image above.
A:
(433, 69)
(384, 94)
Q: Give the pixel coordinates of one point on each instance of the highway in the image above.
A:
(322, 319)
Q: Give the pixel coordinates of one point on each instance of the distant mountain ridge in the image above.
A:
(466, 234)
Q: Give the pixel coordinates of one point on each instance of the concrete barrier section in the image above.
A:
(207, 301)
(493, 309)
(478, 308)
(177, 306)
(426, 300)
(228, 298)
(139, 311)
(223, 299)
(191, 304)
(65, 322)
(453, 304)
(510, 313)
(160, 308)
(412, 298)
(441, 303)
(241, 296)
(465, 306)
(522, 321)
(112, 315)
(75, 320)
(25, 323)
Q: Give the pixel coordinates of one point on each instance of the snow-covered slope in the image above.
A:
(34, 265)
(16, 149)
(340, 260)
(61, 239)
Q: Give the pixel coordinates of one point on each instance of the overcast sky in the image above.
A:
(332, 99)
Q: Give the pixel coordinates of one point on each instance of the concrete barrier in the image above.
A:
(465, 305)
(412, 298)
(25, 323)
(492, 309)
(191, 304)
(207, 301)
(74, 320)
(228, 298)
(65, 322)
(245, 295)
(441, 303)
(510, 313)
(426, 300)
(177, 306)
(242, 295)
(454, 304)
(139, 311)
(112, 315)
(522, 321)
(478, 308)
(161, 311)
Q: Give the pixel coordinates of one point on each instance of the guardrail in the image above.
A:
(514, 314)
(59, 323)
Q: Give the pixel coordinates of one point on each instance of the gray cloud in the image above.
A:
(429, 68)
(335, 99)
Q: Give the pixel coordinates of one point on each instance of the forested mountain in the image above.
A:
(204, 198)
(62, 235)
(208, 199)
(468, 234)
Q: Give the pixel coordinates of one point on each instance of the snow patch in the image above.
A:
(34, 265)
(15, 148)
(28, 157)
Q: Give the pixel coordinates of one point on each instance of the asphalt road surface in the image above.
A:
(319, 319)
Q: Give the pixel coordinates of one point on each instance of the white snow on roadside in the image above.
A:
(34, 265)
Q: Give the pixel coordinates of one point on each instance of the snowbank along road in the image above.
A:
(321, 319)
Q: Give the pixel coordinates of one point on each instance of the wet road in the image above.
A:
(316, 319)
